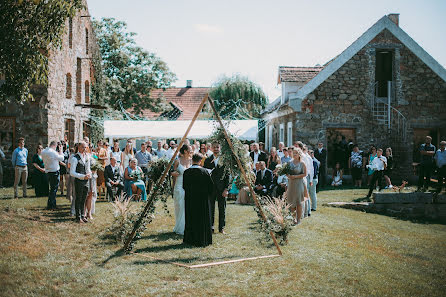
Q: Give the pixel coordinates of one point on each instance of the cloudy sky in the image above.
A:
(203, 39)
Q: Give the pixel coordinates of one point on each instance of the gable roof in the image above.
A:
(297, 74)
(184, 101)
(355, 47)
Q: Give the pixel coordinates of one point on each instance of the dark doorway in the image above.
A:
(383, 71)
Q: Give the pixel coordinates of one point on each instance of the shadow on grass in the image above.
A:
(164, 236)
(188, 260)
(59, 215)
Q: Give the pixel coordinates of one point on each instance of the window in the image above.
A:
(68, 86)
(86, 41)
(282, 133)
(69, 131)
(87, 91)
(70, 32)
(289, 141)
(383, 71)
(86, 129)
(79, 81)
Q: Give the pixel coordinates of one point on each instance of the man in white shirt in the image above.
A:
(51, 159)
(160, 152)
(171, 151)
(309, 182)
(80, 169)
(280, 152)
(378, 165)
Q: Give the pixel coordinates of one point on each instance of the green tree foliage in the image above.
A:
(237, 97)
(28, 29)
(130, 72)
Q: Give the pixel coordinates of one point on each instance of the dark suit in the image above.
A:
(221, 183)
(321, 157)
(109, 176)
(266, 182)
(262, 157)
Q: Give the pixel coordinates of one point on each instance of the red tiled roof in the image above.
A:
(187, 100)
(298, 74)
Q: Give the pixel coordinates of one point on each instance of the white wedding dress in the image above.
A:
(178, 201)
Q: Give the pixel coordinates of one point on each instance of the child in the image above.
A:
(337, 175)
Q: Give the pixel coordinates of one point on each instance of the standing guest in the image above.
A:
(129, 141)
(126, 156)
(203, 149)
(313, 195)
(251, 147)
(165, 147)
(87, 140)
(378, 165)
(171, 151)
(2, 157)
(257, 155)
(134, 185)
(102, 154)
(296, 187)
(427, 152)
(262, 147)
(389, 168)
(337, 175)
(69, 178)
(20, 164)
(113, 180)
(73, 179)
(143, 157)
(116, 152)
(80, 170)
(63, 167)
(321, 155)
(309, 181)
(273, 159)
(356, 163)
(440, 160)
(209, 149)
(160, 152)
(372, 155)
(150, 149)
(280, 152)
(40, 179)
(287, 152)
(51, 159)
(107, 153)
(221, 184)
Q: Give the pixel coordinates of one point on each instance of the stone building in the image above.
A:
(384, 89)
(62, 109)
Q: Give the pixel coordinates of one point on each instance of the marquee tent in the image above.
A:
(243, 129)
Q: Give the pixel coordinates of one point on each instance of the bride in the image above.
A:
(181, 164)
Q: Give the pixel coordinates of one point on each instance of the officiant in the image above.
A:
(198, 188)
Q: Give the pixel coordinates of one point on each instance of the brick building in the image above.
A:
(384, 89)
(62, 108)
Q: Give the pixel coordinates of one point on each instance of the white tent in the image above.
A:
(243, 129)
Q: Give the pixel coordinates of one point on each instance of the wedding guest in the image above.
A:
(171, 151)
(102, 154)
(287, 152)
(256, 168)
(280, 150)
(165, 147)
(337, 175)
(280, 184)
(51, 159)
(264, 180)
(309, 180)
(133, 183)
(126, 156)
(73, 179)
(312, 190)
(321, 155)
(209, 149)
(143, 157)
(262, 147)
(440, 160)
(63, 167)
(92, 195)
(116, 152)
(372, 155)
(378, 165)
(107, 153)
(150, 149)
(40, 179)
(296, 187)
(20, 165)
(2, 158)
(273, 159)
(356, 163)
(160, 151)
(202, 149)
(113, 180)
(427, 152)
(389, 168)
(257, 155)
(80, 170)
(69, 178)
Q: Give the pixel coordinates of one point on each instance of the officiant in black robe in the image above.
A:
(198, 188)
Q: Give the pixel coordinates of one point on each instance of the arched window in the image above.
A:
(68, 86)
(86, 41)
(87, 91)
(70, 32)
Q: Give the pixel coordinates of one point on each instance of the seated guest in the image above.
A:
(113, 180)
(257, 168)
(337, 175)
(264, 180)
(280, 184)
(286, 155)
(133, 184)
(273, 159)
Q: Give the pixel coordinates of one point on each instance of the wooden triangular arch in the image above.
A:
(155, 189)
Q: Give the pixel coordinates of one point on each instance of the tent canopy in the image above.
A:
(243, 129)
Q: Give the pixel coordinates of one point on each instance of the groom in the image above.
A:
(198, 188)
(221, 183)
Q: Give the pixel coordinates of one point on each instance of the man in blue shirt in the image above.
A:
(440, 160)
(20, 164)
(427, 152)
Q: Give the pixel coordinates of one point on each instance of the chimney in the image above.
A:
(188, 83)
(394, 17)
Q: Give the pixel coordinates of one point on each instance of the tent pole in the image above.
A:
(162, 178)
(211, 103)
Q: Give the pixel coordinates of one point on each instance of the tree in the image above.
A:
(28, 29)
(130, 72)
(237, 97)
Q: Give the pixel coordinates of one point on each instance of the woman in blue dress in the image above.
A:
(133, 183)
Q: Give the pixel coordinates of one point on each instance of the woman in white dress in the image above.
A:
(181, 164)
(126, 156)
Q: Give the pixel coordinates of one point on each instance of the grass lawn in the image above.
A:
(335, 252)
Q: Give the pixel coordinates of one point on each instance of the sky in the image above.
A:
(201, 40)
